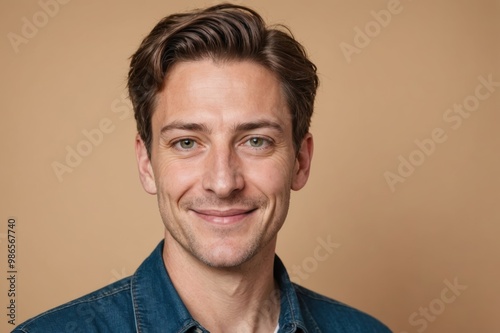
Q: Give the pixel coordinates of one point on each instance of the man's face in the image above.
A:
(222, 160)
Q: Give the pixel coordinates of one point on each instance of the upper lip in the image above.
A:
(223, 213)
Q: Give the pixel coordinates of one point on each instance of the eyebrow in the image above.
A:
(242, 127)
(179, 125)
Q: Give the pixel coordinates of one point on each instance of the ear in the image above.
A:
(146, 174)
(303, 163)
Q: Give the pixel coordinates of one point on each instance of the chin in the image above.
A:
(226, 257)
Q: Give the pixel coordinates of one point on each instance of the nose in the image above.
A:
(222, 174)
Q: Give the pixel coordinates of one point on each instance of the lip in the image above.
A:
(223, 217)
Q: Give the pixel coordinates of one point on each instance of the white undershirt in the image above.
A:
(277, 328)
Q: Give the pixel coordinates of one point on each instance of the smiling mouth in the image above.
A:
(223, 217)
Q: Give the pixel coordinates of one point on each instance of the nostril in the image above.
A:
(223, 179)
(224, 184)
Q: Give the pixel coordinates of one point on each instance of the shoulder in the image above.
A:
(111, 304)
(329, 315)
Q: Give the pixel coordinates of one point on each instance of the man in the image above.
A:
(223, 106)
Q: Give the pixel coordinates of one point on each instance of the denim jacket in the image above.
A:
(147, 302)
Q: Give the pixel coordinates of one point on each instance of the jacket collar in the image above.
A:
(158, 307)
(290, 319)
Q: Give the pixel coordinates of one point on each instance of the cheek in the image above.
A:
(273, 177)
(174, 178)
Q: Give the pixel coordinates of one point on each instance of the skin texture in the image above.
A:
(222, 166)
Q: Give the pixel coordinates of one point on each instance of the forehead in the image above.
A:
(206, 89)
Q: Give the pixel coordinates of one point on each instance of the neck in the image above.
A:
(237, 299)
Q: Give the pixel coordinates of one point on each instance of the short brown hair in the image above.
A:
(222, 32)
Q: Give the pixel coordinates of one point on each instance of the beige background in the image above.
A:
(396, 248)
